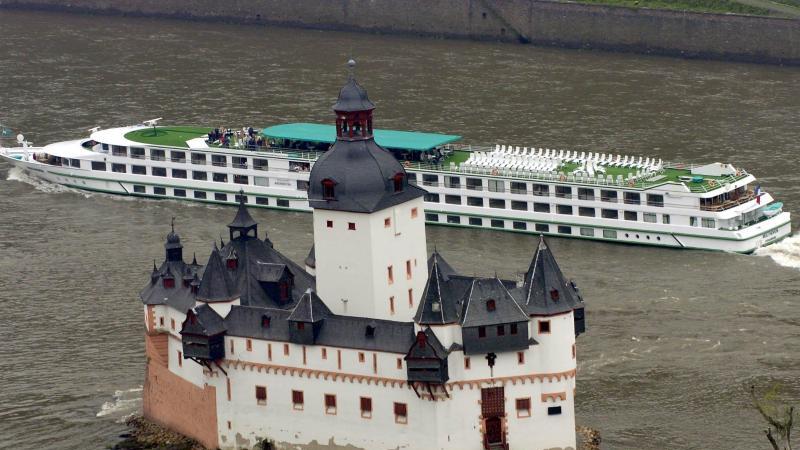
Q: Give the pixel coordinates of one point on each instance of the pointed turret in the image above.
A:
(173, 246)
(546, 291)
(309, 309)
(216, 285)
(439, 305)
(243, 224)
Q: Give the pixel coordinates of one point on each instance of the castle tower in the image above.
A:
(369, 226)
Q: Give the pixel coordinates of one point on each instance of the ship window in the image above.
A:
(200, 195)
(400, 413)
(542, 227)
(431, 217)
(609, 214)
(564, 209)
(157, 155)
(430, 180)
(262, 201)
(137, 153)
(119, 168)
(541, 207)
(239, 162)
(412, 178)
(631, 215)
(199, 158)
(219, 177)
(519, 206)
(178, 173)
(563, 192)
(117, 150)
(518, 187)
(179, 157)
(477, 221)
(610, 234)
(454, 219)
(328, 192)
(75, 163)
(201, 176)
(608, 196)
(632, 198)
(693, 221)
(665, 218)
(159, 190)
(240, 198)
(649, 217)
(241, 179)
(260, 164)
(264, 181)
(179, 192)
(221, 197)
(453, 182)
(586, 212)
(98, 165)
(497, 223)
(589, 232)
(585, 194)
(261, 395)
(283, 202)
(474, 201)
(452, 199)
(159, 171)
(563, 229)
(541, 190)
(497, 186)
(655, 200)
(219, 160)
(474, 184)
(139, 189)
(105, 147)
(302, 185)
(432, 198)
(497, 203)
(139, 170)
(491, 305)
(708, 223)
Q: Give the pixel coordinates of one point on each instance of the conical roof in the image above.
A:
(353, 97)
(546, 291)
(243, 218)
(310, 308)
(216, 285)
(488, 302)
(439, 304)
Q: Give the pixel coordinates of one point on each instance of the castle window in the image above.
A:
(391, 304)
(284, 287)
(400, 413)
(514, 328)
(553, 410)
(490, 305)
(411, 298)
(297, 400)
(520, 357)
(301, 326)
(249, 345)
(330, 404)
(398, 181)
(172, 323)
(501, 330)
(466, 363)
(261, 395)
(544, 327)
(180, 359)
(329, 223)
(324, 352)
(408, 269)
(265, 321)
(573, 351)
(351, 226)
(390, 274)
(481, 332)
(161, 321)
(285, 349)
(399, 363)
(169, 283)
(328, 189)
(523, 407)
(554, 295)
(370, 332)
(414, 213)
(387, 222)
(366, 407)
(361, 357)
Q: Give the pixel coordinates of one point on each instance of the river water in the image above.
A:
(674, 336)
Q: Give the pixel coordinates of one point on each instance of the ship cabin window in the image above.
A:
(297, 400)
(497, 203)
(156, 155)
(541, 190)
(632, 198)
(366, 407)
(610, 234)
(260, 164)
(159, 190)
(220, 197)
(498, 223)
(708, 223)
(139, 170)
(240, 198)
(655, 200)
(400, 413)
(563, 192)
(609, 214)
(649, 217)
(519, 205)
(219, 160)
(452, 199)
(474, 201)
(137, 153)
(119, 168)
(178, 173)
(523, 407)
(519, 225)
(564, 209)
(262, 201)
(586, 212)
(518, 187)
(431, 217)
(497, 186)
(430, 180)
(553, 410)
(330, 404)
(219, 177)
(563, 229)
(432, 198)
(75, 163)
(264, 181)
(631, 215)
(118, 150)
(241, 179)
(587, 232)
(159, 171)
(328, 189)
(477, 221)
(586, 194)
(542, 227)
(199, 158)
(178, 157)
(139, 189)
(541, 207)
(665, 218)
(179, 192)
(397, 181)
(98, 165)
(200, 195)
(239, 162)
(474, 184)
(608, 196)
(453, 182)
(454, 219)
(200, 176)
(412, 178)
(104, 147)
(261, 395)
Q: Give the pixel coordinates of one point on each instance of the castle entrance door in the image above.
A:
(493, 409)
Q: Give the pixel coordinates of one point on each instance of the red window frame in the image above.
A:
(330, 404)
(261, 395)
(398, 179)
(366, 407)
(297, 400)
(523, 406)
(400, 413)
(328, 189)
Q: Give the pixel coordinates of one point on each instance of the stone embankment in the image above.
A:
(541, 22)
(146, 435)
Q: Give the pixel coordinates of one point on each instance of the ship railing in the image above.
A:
(728, 204)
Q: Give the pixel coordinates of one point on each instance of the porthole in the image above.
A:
(627, 235)
(658, 238)
(637, 236)
(648, 237)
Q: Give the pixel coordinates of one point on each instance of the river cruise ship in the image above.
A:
(530, 189)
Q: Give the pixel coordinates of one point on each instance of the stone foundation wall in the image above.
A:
(694, 35)
(175, 403)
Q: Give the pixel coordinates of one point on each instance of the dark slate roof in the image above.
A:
(181, 298)
(541, 280)
(311, 259)
(363, 174)
(243, 218)
(173, 241)
(217, 284)
(353, 97)
(441, 292)
(433, 347)
(310, 308)
(246, 321)
(269, 272)
(476, 313)
(209, 323)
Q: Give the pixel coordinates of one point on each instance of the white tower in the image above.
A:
(369, 224)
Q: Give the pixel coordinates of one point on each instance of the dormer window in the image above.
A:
(328, 192)
(186, 282)
(169, 283)
(284, 288)
(398, 181)
(193, 319)
(490, 305)
(370, 332)
(554, 294)
(301, 326)
(233, 263)
(422, 340)
(265, 321)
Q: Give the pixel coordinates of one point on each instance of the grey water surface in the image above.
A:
(674, 336)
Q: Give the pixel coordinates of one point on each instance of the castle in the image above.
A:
(373, 344)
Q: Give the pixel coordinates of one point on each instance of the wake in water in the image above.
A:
(123, 404)
(785, 253)
(17, 174)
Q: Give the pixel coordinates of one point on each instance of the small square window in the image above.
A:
(400, 413)
(351, 226)
(329, 223)
(523, 407)
(501, 330)
(297, 400)
(261, 395)
(553, 410)
(544, 327)
(387, 222)
(414, 213)
(514, 329)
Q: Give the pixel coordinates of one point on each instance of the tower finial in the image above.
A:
(241, 197)
(351, 66)
(172, 224)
